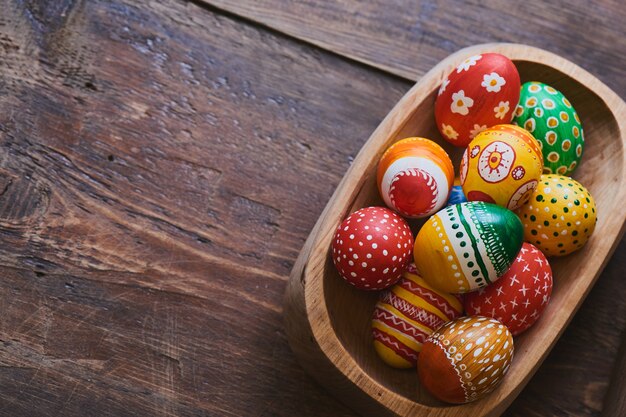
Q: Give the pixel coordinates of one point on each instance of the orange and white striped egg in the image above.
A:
(406, 314)
(414, 177)
(465, 359)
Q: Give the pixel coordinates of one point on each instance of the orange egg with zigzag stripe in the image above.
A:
(406, 315)
(414, 177)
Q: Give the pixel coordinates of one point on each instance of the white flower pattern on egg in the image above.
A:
(449, 131)
(476, 130)
(469, 62)
(501, 109)
(493, 82)
(474, 87)
(461, 103)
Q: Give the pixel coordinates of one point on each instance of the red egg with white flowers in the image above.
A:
(519, 297)
(372, 247)
(481, 92)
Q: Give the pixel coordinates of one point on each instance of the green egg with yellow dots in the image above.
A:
(550, 117)
(559, 217)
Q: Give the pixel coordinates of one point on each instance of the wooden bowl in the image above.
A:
(328, 321)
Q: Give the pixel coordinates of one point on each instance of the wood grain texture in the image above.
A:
(160, 168)
(407, 38)
(615, 399)
(328, 321)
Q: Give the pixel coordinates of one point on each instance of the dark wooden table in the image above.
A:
(162, 162)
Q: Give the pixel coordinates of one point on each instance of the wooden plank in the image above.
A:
(408, 38)
(615, 398)
(160, 169)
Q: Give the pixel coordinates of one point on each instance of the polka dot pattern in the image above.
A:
(372, 247)
(550, 117)
(559, 217)
(519, 297)
(465, 359)
(406, 314)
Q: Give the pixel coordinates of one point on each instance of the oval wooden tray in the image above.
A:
(328, 321)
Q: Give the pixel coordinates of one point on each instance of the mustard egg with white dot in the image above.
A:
(559, 217)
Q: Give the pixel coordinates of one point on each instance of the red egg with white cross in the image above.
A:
(519, 297)
(372, 247)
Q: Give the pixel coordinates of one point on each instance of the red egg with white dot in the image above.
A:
(372, 247)
(519, 297)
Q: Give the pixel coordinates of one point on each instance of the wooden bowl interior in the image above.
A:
(350, 309)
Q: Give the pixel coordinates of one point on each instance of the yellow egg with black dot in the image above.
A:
(559, 217)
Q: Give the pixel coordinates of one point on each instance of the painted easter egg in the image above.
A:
(550, 117)
(559, 217)
(414, 177)
(372, 247)
(502, 165)
(518, 298)
(481, 92)
(406, 314)
(465, 359)
(467, 246)
(456, 194)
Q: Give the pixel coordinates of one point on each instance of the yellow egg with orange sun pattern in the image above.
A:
(501, 165)
(559, 216)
